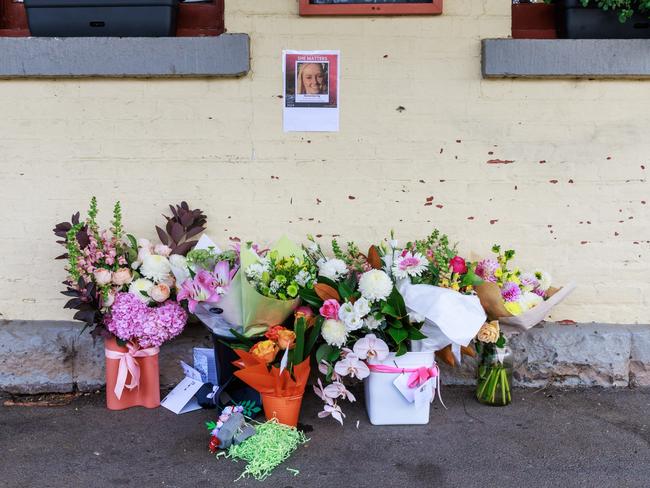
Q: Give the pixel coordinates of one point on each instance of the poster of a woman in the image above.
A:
(311, 80)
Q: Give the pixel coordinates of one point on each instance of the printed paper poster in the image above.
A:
(311, 85)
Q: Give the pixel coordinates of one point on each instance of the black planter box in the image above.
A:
(578, 22)
(102, 18)
(235, 389)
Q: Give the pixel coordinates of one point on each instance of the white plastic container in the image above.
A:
(385, 404)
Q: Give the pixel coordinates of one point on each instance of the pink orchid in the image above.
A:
(338, 390)
(371, 347)
(320, 393)
(352, 366)
(334, 411)
(324, 368)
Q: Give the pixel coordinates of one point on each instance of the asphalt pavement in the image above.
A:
(547, 438)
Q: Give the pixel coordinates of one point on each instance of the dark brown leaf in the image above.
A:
(373, 257)
(177, 232)
(194, 231)
(162, 235)
(184, 248)
(326, 292)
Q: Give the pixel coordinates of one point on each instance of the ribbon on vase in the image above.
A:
(128, 364)
(418, 377)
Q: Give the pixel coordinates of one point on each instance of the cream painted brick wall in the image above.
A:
(579, 213)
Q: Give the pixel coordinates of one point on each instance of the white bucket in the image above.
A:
(385, 404)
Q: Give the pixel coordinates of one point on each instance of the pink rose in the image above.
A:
(102, 276)
(122, 276)
(458, 265)
(160, 292)
(330, 309)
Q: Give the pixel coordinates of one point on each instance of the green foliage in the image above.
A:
(74, 251)
(250, 408)
(117, 228)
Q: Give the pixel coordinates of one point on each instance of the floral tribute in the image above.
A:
(123, 286)
(280, 277)
(363, 318)
(520, 291)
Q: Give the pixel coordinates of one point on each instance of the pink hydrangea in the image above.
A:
(511, 292)
(486, 268)
(132, 320)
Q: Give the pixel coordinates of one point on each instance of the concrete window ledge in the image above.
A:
(119, 57)
(566, 58)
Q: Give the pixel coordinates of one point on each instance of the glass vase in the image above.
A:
(494, 375)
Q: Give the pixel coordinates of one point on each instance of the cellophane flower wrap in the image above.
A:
(270, 285)
(512, 296)
(363, 318)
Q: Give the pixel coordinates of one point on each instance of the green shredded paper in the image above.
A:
(272, 444)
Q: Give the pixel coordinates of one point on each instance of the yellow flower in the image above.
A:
(455, 286)
(498, 272)
(513, 307)
(469, 288)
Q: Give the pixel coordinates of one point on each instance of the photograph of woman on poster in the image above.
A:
(312, 82)
(312, 78)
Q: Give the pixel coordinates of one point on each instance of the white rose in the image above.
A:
(334, 332)
(156, 267)
(334, 269)
(146, 245)
(141, 285)
(375, 285)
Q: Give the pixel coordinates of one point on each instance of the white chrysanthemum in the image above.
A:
(529, 300)
(334, 332)
(409, 264)
(255, 271)
(141, 285)
(528, 281)
(375, 285)
(334, 269)
(156, 267)
(544, 280)
(371, 323)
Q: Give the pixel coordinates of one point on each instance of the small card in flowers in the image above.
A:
(420, 395)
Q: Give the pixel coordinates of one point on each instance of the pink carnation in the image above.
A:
(330, 309)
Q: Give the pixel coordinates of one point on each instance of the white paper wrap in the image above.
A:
(538, 313)
(450, 317)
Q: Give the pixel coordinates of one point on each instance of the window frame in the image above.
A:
(306, 8)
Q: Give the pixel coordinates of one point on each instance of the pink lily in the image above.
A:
(200, 289)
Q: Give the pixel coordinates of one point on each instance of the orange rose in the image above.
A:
(272, 332)
(265, 350)
(286, 339)
(306, 313)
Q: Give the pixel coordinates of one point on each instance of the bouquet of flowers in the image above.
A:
(124, 289)
(278, 366)
(515, 297)
(363, 316)
(437, 284)
(246, 289)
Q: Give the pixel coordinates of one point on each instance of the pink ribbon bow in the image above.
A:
(418, 376)
(128, 364)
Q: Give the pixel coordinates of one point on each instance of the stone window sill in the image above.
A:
(565, 58)
(122, 57)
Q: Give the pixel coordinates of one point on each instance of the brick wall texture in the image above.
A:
(556, 169)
